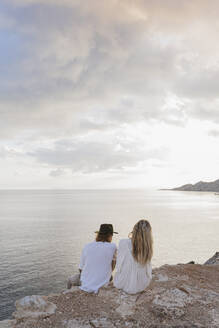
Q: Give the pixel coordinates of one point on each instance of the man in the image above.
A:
(97, 261)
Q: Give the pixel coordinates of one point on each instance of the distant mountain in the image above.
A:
(200, 186)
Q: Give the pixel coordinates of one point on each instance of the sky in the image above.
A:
(108, 94)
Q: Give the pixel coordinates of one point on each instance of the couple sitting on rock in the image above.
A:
(132, 260)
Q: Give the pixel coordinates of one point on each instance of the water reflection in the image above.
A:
(42, 232)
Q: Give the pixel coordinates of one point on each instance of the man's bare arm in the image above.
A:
(114, 260)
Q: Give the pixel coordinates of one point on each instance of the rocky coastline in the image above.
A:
(182, 295)
(200, 186)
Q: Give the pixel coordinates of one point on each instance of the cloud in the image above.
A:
(56, 173)
(213, 133)
(80, 91)
(88, 58)
(8, 152)
(3, 152)
(90, 157)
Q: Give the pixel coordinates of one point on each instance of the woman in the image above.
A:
(133, 267)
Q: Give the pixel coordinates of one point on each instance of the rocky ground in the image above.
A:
(183, 295)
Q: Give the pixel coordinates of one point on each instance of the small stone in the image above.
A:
(71, 291)
(162, 277)
(172, 298)
(7, 323)
(125, 309)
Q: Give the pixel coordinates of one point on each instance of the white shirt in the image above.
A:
(96, 265)
(130, 276)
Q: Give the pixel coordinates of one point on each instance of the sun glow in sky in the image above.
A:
(117, 94)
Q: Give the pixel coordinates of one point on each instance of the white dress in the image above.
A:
(130, 276)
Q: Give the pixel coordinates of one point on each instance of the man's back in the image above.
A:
(96, 265)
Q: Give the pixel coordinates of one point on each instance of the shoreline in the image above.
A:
(175, 296)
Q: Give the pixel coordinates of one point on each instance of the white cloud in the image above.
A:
(213, 133)
(91, 56)
(89, 157)
(94, 74)
(57, 172)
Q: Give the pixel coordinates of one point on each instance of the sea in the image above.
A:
(42, 232)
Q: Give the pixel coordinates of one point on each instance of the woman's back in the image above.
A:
(130, 276)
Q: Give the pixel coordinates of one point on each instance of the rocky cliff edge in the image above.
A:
(183, 295)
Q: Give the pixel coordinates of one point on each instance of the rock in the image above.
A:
(33, 307)
(161, 277)
(200, 186)
(72, 290)
(7, 323)
(213, 260)
(173, 298)
(101, 322)
(125, 309)
(75, 323)
(215, 317)
(185, 295)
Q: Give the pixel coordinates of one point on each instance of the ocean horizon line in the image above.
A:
(75, 189)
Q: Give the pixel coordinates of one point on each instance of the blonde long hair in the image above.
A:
(142, 242)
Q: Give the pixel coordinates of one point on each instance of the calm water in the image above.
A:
(42, 232)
